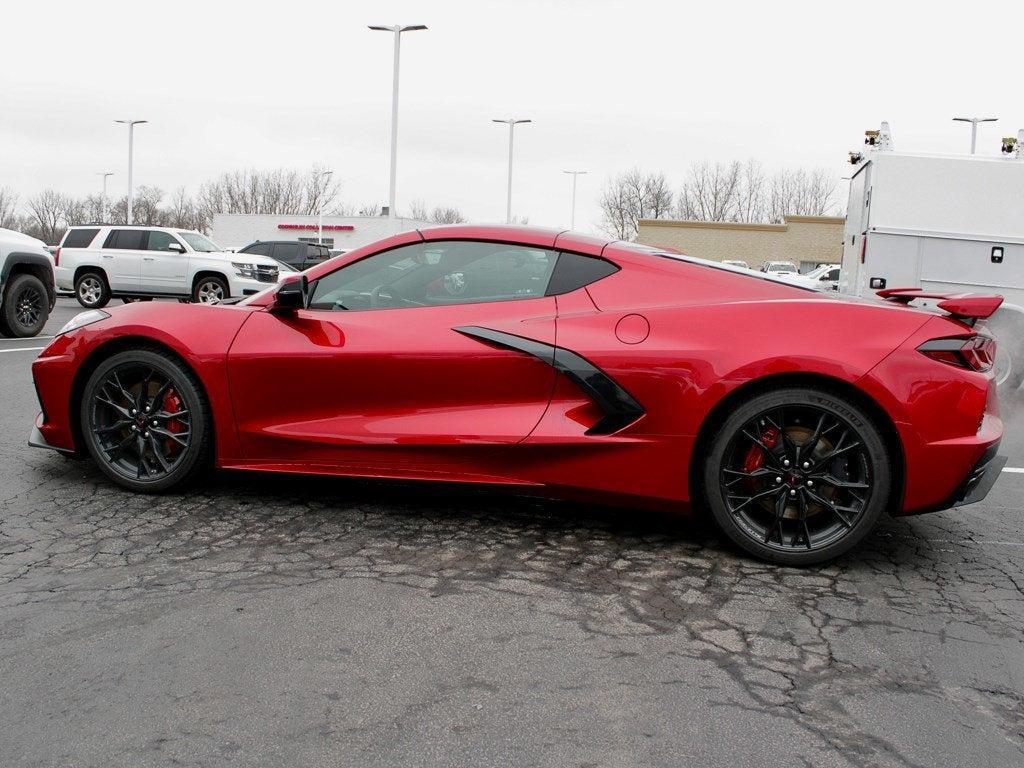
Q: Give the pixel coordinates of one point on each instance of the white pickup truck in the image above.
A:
(103, 262)
(945, 224)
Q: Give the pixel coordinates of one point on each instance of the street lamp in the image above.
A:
(320, 208)
(512, 123)
(974, 127)
(103, 201)
(572, 216)
(131, 144)
(397, 30)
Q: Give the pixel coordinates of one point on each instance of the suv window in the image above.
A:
(260, 249)
(160, 241)
(318, 252)
(437, 274)
(574, 271)
(128, 239)
(288, 252)
(79, 238)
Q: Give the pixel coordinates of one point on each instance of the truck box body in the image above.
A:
(937, 222)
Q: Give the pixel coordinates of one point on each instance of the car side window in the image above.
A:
(160, 241)
(438, 274)
(287, 252)
(126, 239)
(79, 238)
(260, 249)
(574, 271)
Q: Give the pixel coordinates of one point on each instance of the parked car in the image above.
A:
(102, 262)
(825, 277)
(433, 355)
(736, 263)
(27, 294)
(773, 267)
(299, 255)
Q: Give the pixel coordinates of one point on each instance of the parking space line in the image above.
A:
(22, 349)
(1014, 470)
(34, 338)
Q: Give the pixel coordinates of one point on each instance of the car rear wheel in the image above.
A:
(797, 476)
(26, 307)
(146, 420)
(91, 290)
(210, 290)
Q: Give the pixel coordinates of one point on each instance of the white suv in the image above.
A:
(99, 263)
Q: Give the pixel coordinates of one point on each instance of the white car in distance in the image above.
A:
(825, 277)
(99, 263)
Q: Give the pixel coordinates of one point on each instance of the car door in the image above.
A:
(121, 258)
(392, 356)
(164, 264)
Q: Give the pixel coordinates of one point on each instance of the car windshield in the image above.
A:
(779, 266)
(198, 242)
(815, 274)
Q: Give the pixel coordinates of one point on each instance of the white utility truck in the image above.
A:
(945, 224)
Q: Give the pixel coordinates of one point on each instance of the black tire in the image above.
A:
(129, 433)
(210, 290)
(92, 290)
(26, 307)
(763, 488)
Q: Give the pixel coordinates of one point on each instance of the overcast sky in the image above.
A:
(609, 85)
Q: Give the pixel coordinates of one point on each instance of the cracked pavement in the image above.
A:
(270, 620)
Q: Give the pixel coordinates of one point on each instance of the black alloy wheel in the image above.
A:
(798, 476)
(145, 419)
(26, 307)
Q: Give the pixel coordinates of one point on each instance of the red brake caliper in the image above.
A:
(755, 455)
(172, 404)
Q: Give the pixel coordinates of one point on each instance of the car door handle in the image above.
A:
(107, 255)
(147, 258)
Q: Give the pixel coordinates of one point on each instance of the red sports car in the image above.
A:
(556, 363)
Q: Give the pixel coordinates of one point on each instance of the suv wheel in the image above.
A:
(91, 290)
(26, 307)
(210, 290)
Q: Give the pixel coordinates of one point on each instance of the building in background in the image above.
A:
(805, 240)
(236, 230)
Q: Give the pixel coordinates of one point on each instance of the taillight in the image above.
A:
(976, 353)
(56, 257)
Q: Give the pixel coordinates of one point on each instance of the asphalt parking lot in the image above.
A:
(289, 621)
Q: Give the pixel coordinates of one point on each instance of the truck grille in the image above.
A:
(266, 274)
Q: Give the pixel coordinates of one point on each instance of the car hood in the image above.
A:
(12, 236)
(246, 258)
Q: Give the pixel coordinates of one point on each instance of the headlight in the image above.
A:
(83, 319)
(244, 269)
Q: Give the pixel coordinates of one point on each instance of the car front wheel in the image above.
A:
(26, 307)
(797, 476)
(210, 290)
(145, 419)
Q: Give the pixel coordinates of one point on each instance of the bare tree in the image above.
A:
(321, 190)
(447, 215)
(8, 208)
(47, 215)
(711, 192)
(802, 193)
(632, 196)
(418, 210)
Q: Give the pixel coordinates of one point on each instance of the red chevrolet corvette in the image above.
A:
(556, 363)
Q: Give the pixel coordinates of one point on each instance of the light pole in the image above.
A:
(397, 30)
(103, 202)
(512, 123)
(974, 127)
(320, 209)
(572, 215)
(131, 146)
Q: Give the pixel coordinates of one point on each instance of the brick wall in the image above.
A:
(801, 238)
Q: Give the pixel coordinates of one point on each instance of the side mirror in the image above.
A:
(176, 247)
(292, 295)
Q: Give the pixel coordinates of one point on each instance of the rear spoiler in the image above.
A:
(969, 307)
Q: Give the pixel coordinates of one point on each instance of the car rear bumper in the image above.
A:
(980, 479)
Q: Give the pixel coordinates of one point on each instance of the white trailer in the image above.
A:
(945, 224)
